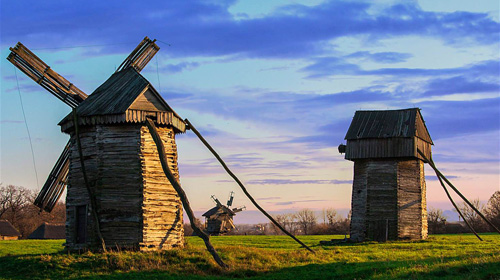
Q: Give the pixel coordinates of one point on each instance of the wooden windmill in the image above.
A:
(388, 195)
(219, 219)
(133, 203)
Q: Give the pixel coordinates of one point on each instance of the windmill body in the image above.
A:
(136, 206)
(389, 191)
(219, 219)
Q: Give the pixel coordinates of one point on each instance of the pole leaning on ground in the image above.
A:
(458, 210)
(440, 175)
(192, 128)
(185, 202)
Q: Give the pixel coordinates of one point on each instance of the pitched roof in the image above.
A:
(218, 209)
(49, 231)
(117, 93)
(125, 97)
(211, 211)
(7, 229)
(388, 124)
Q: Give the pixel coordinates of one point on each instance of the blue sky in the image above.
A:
(272, 85)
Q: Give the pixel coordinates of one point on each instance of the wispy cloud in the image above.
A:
(298, 201)
(269, 198)
(201, 28)
(329, 66)
(298, 182)
(381, 57)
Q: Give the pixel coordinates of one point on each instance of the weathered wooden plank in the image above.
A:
(388, 200)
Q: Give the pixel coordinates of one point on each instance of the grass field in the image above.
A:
(263, 257)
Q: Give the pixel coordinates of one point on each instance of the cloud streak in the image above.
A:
(298, 182)
(203, 28)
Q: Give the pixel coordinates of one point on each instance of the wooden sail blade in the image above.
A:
(41, 73)
(140, 56)
(55, 184)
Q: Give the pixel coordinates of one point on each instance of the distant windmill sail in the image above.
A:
(230, 200)
(41, 73)
(216, 200)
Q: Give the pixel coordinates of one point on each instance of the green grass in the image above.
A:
(263, 257)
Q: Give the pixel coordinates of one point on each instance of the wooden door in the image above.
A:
(81, 224)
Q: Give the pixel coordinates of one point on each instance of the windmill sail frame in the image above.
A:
(31, 65)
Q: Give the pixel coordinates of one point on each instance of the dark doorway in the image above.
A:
(81, 224)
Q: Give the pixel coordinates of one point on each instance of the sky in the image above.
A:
(272, 85)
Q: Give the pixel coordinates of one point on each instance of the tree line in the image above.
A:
(16, 206)
(438, 222)
(307, 222)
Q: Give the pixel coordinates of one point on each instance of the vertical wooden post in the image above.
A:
(185, 202)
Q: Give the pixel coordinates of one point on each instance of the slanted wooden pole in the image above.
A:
(458, 210)
(93, 202)
(185, 202)
(191, 127)
(440, 175)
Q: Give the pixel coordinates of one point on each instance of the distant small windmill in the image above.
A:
(219, 219)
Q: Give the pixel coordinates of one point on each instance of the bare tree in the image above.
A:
(16, 206)
(436, 220)
(471, 216)
(493, 209)
(13, 200)
(286, 220)
(330, 216)
(306, 219)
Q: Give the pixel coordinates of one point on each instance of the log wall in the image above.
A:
(358, 202)
(162, 207)
(135, 204)
(76, 191)
(388, 200)
(412, 206)
(381, 200)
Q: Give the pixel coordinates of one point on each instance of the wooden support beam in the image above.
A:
(440, 175)
(185, 202)
(191, 127)
(458, 210)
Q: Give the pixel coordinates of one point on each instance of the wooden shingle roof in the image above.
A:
(218, 209)
(125, 97)
(404, 123)
(7, 229)
(116, 94)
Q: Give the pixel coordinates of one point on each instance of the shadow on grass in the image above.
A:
(101, 268)
(370, 270)
(62, 252)
(77, 266)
